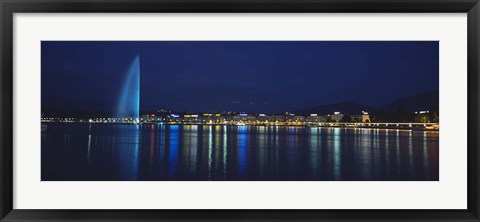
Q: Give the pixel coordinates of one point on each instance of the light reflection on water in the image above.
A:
(190, 152)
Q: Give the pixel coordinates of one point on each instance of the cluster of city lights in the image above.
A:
(242, 119)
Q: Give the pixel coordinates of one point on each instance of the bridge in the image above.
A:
(432, 126)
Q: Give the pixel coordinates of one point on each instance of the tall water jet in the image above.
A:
(129, 103)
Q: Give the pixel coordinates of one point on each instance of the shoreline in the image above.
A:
(404, 126)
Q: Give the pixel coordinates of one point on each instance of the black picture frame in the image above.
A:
(9, 7)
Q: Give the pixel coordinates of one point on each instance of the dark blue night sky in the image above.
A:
(246, 76)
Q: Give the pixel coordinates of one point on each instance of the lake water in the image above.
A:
(152, 152)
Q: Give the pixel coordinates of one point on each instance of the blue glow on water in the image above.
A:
(136, 148)
(173, 155)
(314, 150)
(127, 150)
(242, 149)
(129, 102)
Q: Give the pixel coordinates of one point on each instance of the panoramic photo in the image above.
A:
(240, 111)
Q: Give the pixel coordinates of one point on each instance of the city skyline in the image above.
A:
(236, 76)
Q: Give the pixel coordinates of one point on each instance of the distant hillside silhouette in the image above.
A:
(422, 101)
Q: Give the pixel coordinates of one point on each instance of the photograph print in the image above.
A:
(240, 111)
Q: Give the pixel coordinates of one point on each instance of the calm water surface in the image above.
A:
(92, 152)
